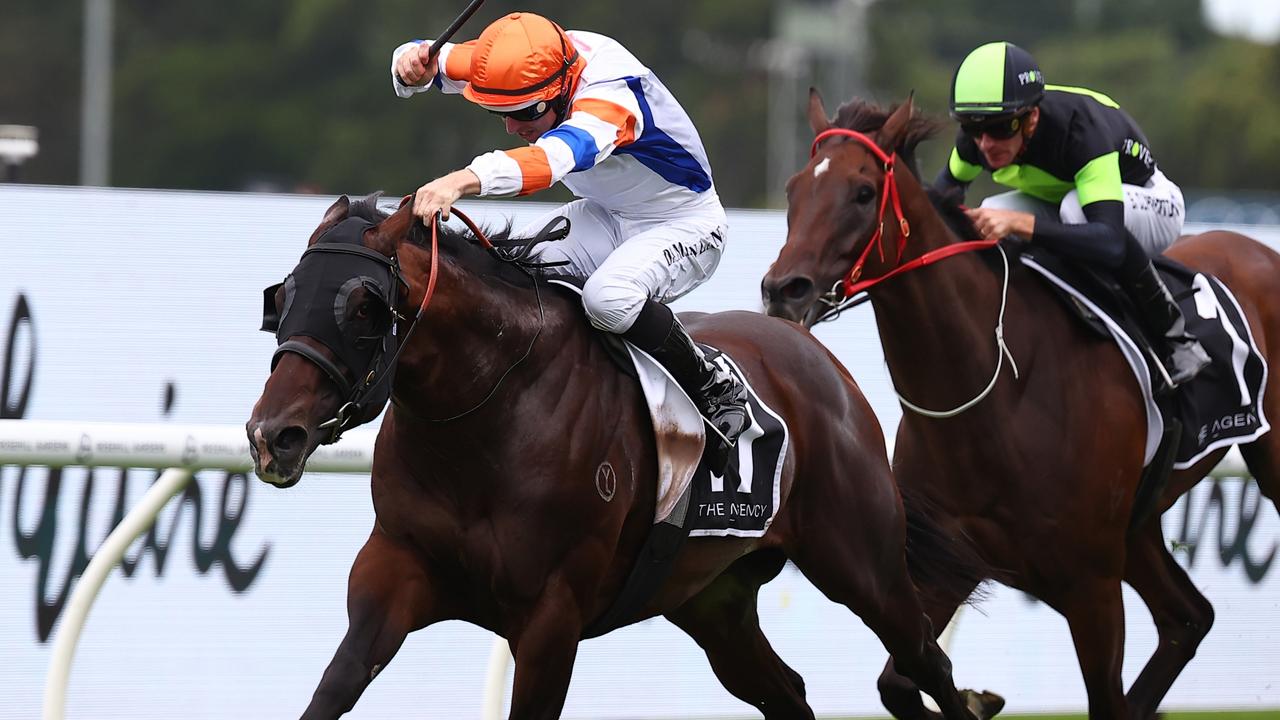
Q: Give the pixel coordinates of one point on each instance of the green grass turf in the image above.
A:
(1225, 715)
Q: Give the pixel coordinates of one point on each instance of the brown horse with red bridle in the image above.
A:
(504, 406)
(1040, 466)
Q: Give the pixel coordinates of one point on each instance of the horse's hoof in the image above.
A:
(983, 705)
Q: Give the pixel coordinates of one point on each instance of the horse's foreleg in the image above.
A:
(544, 649)
(1094, 610)
(1182, 616)
(389, 594)
(724, 622)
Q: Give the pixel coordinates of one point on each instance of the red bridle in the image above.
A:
(851, 284)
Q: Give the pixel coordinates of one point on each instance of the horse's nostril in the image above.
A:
(797, 289)
(289, 443)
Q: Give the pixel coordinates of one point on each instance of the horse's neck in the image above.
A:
(945, 311)
(481, 342)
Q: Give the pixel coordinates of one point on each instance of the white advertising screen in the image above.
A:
(143, 307)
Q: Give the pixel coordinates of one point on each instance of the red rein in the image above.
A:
(435, 251)
(851, 284)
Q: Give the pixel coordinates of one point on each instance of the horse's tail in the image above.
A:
(945, 565)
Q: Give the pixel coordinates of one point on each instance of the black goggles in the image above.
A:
(526, 114)
(997, 128)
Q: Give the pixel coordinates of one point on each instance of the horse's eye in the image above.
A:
(362, 312)
(864, 195)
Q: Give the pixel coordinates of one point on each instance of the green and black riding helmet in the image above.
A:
(995, 85)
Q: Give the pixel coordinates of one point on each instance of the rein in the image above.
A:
(841, 296)
(426, 300)
(347, 413)
(1002, 352)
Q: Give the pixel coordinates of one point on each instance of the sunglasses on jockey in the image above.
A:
(536, 110)
(526, 114)
(1001, 127)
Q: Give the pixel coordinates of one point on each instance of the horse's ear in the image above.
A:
(894, 130)
(395, 229)
(336, 213)
(386, 236)
(817, 113)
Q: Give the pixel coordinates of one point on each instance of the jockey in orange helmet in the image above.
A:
(648, 226)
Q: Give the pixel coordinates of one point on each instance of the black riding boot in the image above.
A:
(1180, 352)
(719, 396)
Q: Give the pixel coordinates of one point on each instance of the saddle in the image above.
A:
(1116, 304)
(1220, 407)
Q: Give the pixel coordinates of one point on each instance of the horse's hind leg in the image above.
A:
(1182, 616)
(388, 596)
(722, 619)
(1263, 455)
(867, 572)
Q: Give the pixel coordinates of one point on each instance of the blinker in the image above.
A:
(319, 303)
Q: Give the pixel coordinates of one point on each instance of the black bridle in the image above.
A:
(329, 264)
(330, 271)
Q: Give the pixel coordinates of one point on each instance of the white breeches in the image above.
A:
(1153, 213)
(626, 261)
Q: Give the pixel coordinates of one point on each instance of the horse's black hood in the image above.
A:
(316, 304)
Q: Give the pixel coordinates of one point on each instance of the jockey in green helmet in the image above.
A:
(1085, 182)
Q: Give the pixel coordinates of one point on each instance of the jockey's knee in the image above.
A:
(1013, 200)
(1070, 211)
(612, 303)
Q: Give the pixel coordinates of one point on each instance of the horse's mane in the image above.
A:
(948, 203)
(459, 243)
(867, 117)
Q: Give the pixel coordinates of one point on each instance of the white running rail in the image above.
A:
(181, 450)
(160, 446)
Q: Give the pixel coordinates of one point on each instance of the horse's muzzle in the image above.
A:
(279, 454)
(790, 298)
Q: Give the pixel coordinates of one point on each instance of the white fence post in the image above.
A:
(139, 519)
(495, 681)
(181, 450)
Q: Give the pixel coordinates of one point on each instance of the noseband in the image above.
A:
(317, 300)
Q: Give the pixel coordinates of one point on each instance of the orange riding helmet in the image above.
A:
(521, 60)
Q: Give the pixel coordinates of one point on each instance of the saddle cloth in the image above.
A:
(745, 499)
(1222, 405)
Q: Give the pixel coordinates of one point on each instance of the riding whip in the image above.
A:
(453, 28)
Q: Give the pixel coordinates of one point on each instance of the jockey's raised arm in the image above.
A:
(648, 226)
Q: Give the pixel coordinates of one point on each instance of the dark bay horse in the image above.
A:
(504, 407)
(1041, 472)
